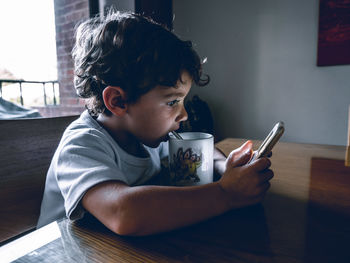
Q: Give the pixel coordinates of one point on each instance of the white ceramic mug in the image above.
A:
(191, 159)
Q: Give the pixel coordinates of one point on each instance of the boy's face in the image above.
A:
(159, 112)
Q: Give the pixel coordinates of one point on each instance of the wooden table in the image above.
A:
(305, 217)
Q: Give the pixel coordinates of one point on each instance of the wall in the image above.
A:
(67, 14)
(262, 62)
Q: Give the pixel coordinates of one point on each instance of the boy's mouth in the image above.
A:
(166, 137)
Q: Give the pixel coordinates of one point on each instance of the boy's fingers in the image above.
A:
(247, 145)
(261, 164)
(242, 159)
(241, 155)
(266, 176)
(244, 147)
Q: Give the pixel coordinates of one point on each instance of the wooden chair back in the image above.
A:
(26, 149)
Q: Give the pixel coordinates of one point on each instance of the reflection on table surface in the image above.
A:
(305, 217)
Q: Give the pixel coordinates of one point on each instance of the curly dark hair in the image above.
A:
(132, 52)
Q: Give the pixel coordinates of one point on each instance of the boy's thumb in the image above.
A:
(241, 155)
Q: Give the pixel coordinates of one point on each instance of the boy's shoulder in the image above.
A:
(86, 131)
(85, 120)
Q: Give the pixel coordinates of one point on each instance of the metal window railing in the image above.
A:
(53, 83)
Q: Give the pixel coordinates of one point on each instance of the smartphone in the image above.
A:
(270, 141)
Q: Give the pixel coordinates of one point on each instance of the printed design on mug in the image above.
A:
(184, 166)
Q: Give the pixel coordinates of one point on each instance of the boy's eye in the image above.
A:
(173, 103)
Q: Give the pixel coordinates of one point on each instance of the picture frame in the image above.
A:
(333, 33)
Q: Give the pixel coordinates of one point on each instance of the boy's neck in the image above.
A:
(125, 139)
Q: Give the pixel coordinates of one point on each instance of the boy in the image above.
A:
(136, 75)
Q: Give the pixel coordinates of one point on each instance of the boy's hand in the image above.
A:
(240, 156)
(245, 184)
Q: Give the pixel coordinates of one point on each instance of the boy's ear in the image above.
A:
(114, 99)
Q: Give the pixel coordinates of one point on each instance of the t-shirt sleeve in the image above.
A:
(84, 161)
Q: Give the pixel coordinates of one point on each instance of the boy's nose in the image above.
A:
(182, 115)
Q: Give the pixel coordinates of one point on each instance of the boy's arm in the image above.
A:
(143, 210)
(219, 162)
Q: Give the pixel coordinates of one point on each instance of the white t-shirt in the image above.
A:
(88, 155)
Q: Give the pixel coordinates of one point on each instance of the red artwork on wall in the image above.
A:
(334, 33)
